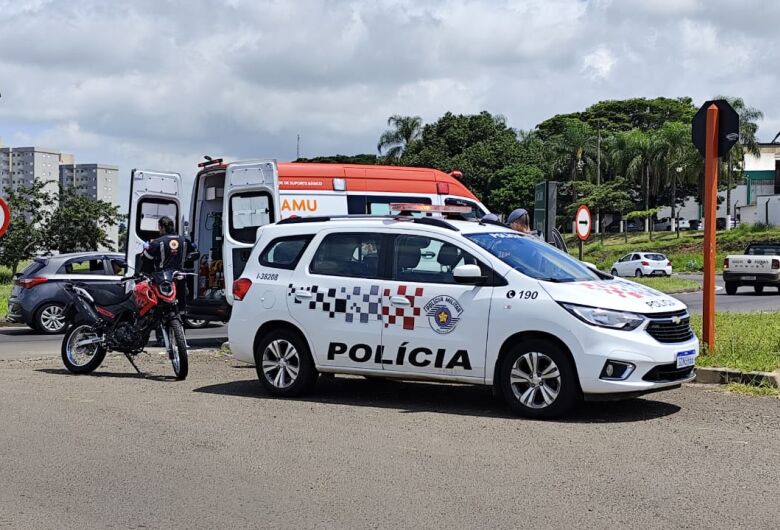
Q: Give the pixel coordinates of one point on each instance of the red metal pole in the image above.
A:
(711, 166)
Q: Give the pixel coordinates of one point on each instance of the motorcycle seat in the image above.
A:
(109, 294)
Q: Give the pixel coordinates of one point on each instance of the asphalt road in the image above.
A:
(745, 301)
(119, 451)
(22, 342)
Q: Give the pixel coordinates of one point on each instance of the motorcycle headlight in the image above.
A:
(166, 288)
(605, 318)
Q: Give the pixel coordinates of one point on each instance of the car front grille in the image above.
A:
(670, 327)
(668, 373)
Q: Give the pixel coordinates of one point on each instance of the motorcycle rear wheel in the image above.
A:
(84, 358)
(178, 349)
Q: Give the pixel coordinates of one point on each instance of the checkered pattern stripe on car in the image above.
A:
(355, 303)
(406, 316)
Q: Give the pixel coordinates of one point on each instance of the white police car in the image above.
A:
(429, 298)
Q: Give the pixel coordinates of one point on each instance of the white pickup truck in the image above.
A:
(759, 267)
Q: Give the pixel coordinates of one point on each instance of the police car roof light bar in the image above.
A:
(427, 208)
(431, 221)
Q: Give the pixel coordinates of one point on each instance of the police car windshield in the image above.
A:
(534, 258)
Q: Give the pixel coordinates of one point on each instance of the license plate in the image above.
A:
(749, 278)
(686, 358)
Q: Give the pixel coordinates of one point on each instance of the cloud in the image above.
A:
(598, 63)
(147, 82)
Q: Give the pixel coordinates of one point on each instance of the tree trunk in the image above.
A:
(647, 196)
(14, 268)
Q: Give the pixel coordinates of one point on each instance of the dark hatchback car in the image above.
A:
(38, 297)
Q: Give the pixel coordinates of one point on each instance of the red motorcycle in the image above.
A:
(121, 317)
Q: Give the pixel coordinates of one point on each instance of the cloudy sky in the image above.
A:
(159, 83)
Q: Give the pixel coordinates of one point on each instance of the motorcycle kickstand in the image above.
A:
(130, 359)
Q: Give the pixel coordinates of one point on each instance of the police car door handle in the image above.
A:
(399, 300)
(303, 294)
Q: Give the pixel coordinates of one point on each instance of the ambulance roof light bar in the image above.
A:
(210, 162)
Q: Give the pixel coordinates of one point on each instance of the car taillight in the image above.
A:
(645, 263)
(725, 263)
(668, 263)
(29, 283)
(442, 188)
(241, 287)
(776, 263)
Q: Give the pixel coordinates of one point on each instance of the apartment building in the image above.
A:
(99, 181)
(21, 166)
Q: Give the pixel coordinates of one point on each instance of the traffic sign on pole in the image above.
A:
(727, 130)
(711, 167)
(5, 216)
(583, 222)
(582, 225)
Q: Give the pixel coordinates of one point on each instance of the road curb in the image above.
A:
(724, 376)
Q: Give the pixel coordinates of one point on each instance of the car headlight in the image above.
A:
(605, 318)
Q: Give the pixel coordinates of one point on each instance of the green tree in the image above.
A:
(514, 187)
(573, 148)
(748, 142)
(623, 115)
(632, 154)
(479, 145)
(81, 223)
(405, 130)
(31, 208)
(342, 159)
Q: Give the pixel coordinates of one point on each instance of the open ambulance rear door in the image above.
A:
(153, 194)
(251, 200)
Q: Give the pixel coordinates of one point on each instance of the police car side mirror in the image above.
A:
(469, 274)
(591, 265)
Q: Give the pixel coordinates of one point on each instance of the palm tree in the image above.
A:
(672, 143)
(405, 130)
(632, 155)
(574, 147)
(748, 143)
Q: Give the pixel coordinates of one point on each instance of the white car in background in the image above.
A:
(642, 264)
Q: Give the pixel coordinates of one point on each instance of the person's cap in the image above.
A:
(515, 215)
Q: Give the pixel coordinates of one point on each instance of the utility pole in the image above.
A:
(298, 148)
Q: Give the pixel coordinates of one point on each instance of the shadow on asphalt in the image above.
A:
(118, 375)
(463, 400)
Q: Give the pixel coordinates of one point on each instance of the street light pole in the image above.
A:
(598, 178)
(678, 170)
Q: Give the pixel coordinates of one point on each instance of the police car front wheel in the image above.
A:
(284, 365)
(538, 380)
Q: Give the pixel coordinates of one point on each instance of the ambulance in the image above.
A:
(438, 299)
(230, 201)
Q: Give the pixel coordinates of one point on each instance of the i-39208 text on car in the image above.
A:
(436, 299)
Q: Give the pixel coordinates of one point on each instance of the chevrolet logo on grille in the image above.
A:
(676, 320)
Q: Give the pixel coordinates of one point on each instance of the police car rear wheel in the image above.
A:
(538, 380)
(284, 365)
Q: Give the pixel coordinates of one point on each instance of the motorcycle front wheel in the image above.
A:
(178, 349)
(82, 349)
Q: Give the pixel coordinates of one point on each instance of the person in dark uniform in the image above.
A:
(167, 253)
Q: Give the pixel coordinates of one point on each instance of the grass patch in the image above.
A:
(743, 341)
(750, 390)
(669, 284)
(5, 293)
